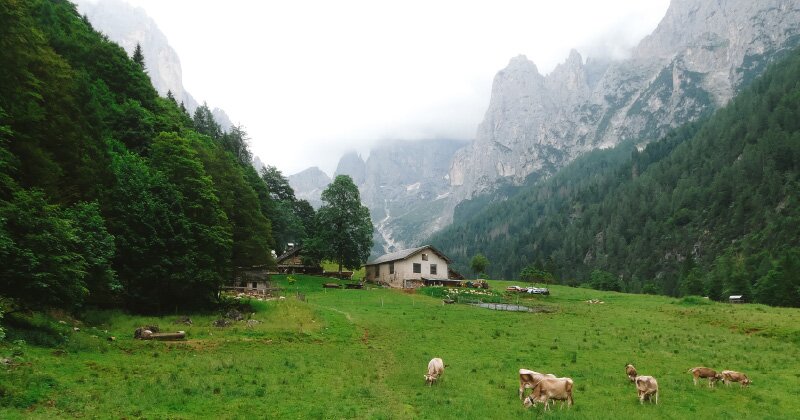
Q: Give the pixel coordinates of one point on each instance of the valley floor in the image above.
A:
(363, 353)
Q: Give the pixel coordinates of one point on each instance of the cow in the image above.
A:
(647, 387)
(729, 376)
(704, 372)
(435, 369)
(631, 372)
(528, 379)
(547, 389)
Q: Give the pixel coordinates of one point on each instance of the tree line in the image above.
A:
(111, 195)
(711, 209)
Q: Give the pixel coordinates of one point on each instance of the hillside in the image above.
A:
(110, 194)
(701, 54)
(709, 209)
(363, 353)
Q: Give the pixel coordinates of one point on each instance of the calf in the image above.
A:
(550, 389)
(631, 372)
(704, 372)
(647, 387)
(435, 369)
(729, 376)
(528, 379)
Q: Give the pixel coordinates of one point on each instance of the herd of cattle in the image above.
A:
(547, 387)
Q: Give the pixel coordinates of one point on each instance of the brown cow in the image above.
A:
(528, 379)
(729, 376)
(550, 389)
(631, 372)
(647, 387)
(435, 369)
(704, 372)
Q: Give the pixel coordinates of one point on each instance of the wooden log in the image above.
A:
(180, 335)
(330, 286)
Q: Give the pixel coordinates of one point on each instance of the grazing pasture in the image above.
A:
(363, 353)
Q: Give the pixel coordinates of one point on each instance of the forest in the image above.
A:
(711, 209)
(111, 195)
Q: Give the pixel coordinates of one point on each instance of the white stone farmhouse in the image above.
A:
(413, 267)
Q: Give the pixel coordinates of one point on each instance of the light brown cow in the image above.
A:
(631, 372)
(704, 372)
(435, 369)
(528, 379)
(548, 389)
(647, 387)
(729, 376)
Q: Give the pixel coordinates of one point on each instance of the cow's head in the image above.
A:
(529, 401)
(746, 382)
(429, 379)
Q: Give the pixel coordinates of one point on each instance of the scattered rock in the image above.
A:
(185, 320)
(234, 315)
(594, 301)
(252, 322)
(112, 338)
(222, 323)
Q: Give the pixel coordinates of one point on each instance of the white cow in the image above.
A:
(435, 369)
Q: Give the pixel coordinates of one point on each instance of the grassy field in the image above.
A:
(363, 353)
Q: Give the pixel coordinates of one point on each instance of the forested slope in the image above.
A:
(710, 209)
(110, 194)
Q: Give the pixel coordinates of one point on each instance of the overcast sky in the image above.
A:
(310, 80)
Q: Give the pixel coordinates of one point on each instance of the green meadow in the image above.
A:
(362, 354)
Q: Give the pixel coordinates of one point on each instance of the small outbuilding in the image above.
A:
(292, 262)
(408, 268)
(736, 299)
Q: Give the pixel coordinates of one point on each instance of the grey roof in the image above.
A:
(403, 254)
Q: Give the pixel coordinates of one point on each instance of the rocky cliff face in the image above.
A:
(403, 183)
(405, 187)
(353, 165)
(309, 184)
(695, 61)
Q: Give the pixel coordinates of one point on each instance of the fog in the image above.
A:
(311, 79)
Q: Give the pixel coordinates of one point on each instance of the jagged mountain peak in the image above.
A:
(353, 165)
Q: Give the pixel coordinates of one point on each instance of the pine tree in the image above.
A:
(138, 56)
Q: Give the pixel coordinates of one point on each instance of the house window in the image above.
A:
(377, 270)
(417, 268)
(391, 268)
(433, 268)
(424, 257)
(255, 285)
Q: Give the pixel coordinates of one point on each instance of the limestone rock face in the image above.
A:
(353, 165)
(309, 184)
(696, 60)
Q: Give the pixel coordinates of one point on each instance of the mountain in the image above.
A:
(695, 61)
(128, 25)
(700, 55)
(405, 183)
(309, 184)
(710, 209)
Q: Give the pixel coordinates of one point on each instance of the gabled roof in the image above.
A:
(288, 254)
(404, 254)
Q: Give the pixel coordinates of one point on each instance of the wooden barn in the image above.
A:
(291, 262)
